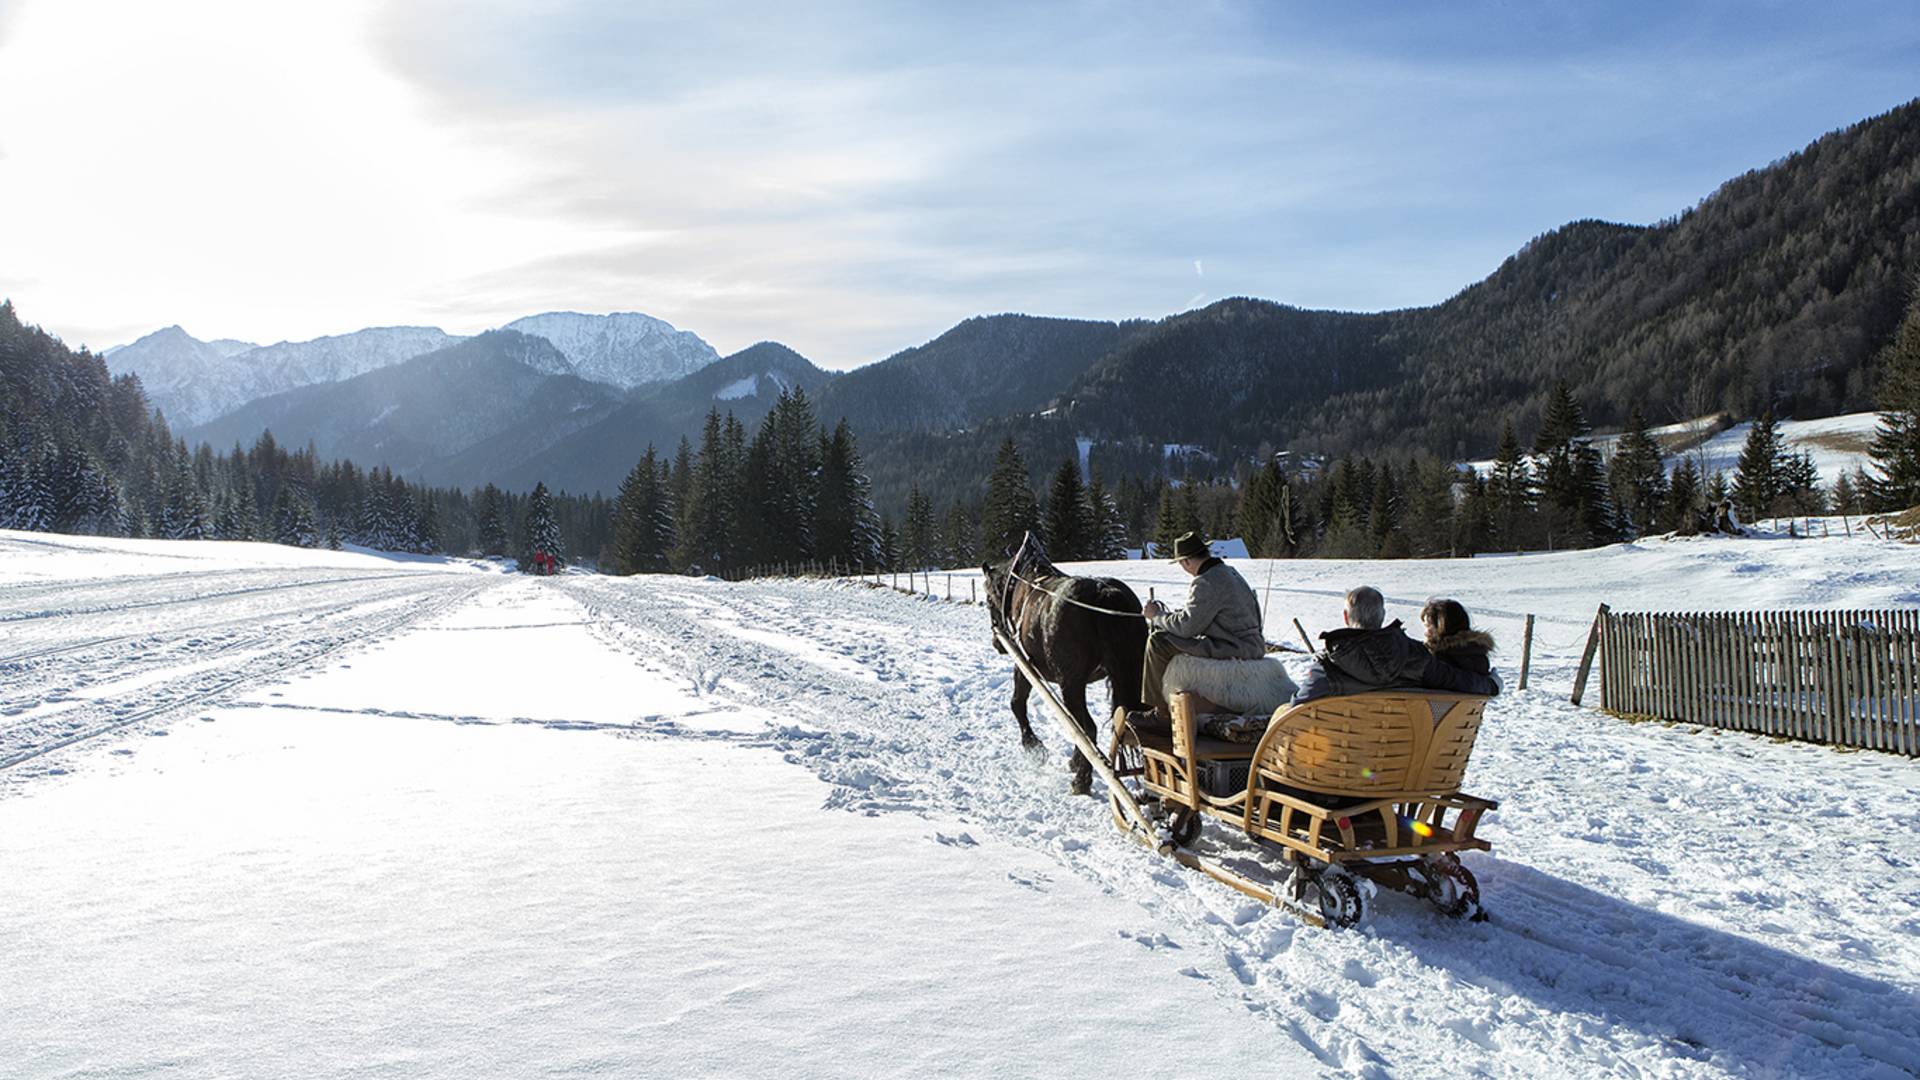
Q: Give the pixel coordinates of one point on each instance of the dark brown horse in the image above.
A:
(1066, 629)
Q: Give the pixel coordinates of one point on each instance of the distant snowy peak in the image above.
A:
(342, 356)
(193, 381)
(625, 349)
(230, 347)
(188, 379)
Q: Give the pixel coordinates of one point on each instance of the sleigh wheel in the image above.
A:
(1185, 826)
(1452, 888)
(1332, 892)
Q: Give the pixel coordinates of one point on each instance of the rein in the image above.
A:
(1076, 603)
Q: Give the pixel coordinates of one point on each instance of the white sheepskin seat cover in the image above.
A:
(1245, 686)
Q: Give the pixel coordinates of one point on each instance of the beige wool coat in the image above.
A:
(1221, 614)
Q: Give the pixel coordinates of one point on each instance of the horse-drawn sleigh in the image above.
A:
(1342, 789)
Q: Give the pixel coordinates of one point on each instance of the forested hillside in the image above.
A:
(1774, 292)
(984, 368)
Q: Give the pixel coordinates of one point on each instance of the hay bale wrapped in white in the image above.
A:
(1244, 686)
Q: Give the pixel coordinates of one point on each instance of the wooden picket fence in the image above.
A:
(1845, 678)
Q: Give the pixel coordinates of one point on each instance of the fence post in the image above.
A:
(972, 597)
(1526, 659)
(1586, 658)
(949, 588)
(1307, 641)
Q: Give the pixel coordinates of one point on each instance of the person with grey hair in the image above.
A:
(1364, 655)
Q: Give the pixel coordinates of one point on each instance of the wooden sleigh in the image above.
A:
(1366, 786)
(1345, 788)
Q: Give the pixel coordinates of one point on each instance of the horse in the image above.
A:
(1074, 631)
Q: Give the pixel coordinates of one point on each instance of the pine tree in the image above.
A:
(1597, 521)
(1261, 511)
(542, 529)
(293, 519)
(1069, 519)
(1572, 482)
(1010, 512)
(428, 536)
(1473, 522)
(376, 522)
(707, 533)
(1510, 492)
(1757, 480)
(1800, 485)
(1177, 517)
(959, 540)
(845, 524)
(1717, 489)
(1383, 515)
(889, 546)
(1682, 511)
(1109, 529)
(781, 486)
(1896, 442)
(919, 539)
(491, 531)
(1431, 516)
(1846, 496)
(1638, 477)
(184, 515)
(643, 519)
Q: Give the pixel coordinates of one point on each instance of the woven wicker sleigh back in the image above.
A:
(1373, 745)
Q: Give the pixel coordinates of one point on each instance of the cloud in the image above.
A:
(852, 178)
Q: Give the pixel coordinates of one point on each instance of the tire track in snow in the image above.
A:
(322, 633)
(121, 587)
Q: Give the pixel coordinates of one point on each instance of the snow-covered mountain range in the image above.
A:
(624, 349)
(196, 381)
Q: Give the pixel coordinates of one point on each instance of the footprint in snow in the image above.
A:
(1154, 941)
(1358, 972)
(1240, 970)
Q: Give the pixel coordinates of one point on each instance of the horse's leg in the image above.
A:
(1075, 698)
(1021, 688)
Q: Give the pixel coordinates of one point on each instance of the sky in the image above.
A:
(852, 179)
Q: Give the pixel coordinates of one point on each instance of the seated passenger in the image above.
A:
(1452, 639)
(1366, 656)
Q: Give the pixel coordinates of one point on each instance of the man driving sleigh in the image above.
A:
(1221, 621)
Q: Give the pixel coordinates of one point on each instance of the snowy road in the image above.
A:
(670, 826)
(83, 658)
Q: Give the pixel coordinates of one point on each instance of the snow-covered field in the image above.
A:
(326, 813)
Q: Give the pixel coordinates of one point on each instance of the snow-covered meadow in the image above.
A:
(279, 812)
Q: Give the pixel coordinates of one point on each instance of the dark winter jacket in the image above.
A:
(1356, 661)
(1222, 613)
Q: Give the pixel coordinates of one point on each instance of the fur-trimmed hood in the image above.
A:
(1465, 639)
